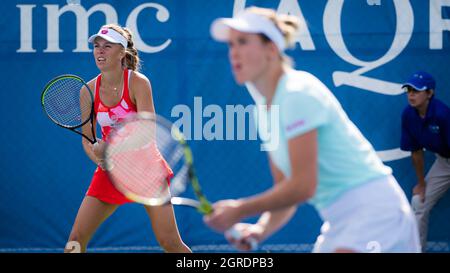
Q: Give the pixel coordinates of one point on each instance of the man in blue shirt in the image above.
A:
(426, 125)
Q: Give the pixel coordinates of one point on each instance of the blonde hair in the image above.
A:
(288, 25)
(131, 60)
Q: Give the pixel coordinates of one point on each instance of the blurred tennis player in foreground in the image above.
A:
(322, 157)
(120, 90)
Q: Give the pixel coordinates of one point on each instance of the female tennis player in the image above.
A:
(120, 90)
(322, 157)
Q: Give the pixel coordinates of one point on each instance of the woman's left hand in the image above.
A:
(226, 213)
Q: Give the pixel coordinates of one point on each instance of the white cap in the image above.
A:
(248, 22)
(110, 35)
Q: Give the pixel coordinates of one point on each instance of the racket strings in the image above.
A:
(138, 167)
(174, 154)
(141, 157)
(66, 104)
(141, 174)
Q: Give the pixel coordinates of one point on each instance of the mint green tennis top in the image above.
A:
(345, 158)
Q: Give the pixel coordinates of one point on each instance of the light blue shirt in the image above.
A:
(345, 158)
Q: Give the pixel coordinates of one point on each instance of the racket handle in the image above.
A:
(235, 234)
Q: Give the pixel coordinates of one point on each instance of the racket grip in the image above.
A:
(235, 234)
(96, 141)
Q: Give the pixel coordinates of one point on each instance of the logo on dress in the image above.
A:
(114, 119)
(295, 125)
(434, 128)
(124, 105)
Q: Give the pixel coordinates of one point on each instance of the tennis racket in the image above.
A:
(68, 102)
(149, 161)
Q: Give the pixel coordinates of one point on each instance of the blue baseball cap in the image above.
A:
(420, 81)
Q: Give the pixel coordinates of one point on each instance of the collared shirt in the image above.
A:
(431, 132)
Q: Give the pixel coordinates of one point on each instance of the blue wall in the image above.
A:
(349, 45)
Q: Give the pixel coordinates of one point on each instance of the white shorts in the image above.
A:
(374, 217)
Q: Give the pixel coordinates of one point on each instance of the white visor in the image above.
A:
(250, 23)
(110, 35)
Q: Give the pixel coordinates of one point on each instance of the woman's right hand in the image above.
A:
(248, 232)
(99, 151)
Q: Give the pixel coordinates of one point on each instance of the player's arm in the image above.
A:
(89, 149)
(86, 129)
(292, 191)
(303, 156)
(141, 93)
(271, 221)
